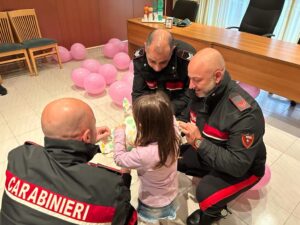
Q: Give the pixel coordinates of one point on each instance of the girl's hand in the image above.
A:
(102, 133)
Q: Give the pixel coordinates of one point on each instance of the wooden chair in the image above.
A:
(25, 25)
(10, 51)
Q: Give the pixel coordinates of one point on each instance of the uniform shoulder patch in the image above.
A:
(247, 140)
(184, 54)
(239, 102)
(139, 53)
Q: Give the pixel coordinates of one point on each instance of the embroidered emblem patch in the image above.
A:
(139, 53)
(186, 55)
(247, 140)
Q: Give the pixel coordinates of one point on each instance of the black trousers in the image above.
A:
(215, 189)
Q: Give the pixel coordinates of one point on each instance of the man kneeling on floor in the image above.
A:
(55, 184)
(225, 137)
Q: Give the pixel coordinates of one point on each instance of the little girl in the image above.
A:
(155, 158)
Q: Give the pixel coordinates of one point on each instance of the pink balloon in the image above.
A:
(94, 84)
(64, 54)
(264, 180)
(110, 50)
(120, 46)
(78, 51)
(131, 68)
(123, 46)
(114, 41)
(78, 76)
(128, 78)
(253, 91)
(117, 43)
(121, 61)
(118, 91)
(109, 72)
(91, 64)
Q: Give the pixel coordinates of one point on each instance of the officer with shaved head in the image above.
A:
(224, 130)
(56, 184)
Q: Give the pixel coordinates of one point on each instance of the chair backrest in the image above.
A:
(6, 35)
(25, 24)
(185, 9)
(261, 16)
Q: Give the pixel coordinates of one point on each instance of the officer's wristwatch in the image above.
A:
(197, 143)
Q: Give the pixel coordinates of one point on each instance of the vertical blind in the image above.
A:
(225, 13)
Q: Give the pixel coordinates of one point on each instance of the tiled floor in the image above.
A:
(276, 204)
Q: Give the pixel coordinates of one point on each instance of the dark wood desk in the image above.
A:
(266, 63)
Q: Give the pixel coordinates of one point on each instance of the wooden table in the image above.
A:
(266, 63)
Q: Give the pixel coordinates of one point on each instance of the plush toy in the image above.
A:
(130, 131)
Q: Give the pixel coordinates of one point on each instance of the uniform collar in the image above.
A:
(70, 152)
(220, 89)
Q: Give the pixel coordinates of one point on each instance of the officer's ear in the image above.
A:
(219, 75)
(172, 49)
(87, 136)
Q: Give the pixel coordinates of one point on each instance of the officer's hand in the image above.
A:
(182, 127)
(102, 133)
(192, 132)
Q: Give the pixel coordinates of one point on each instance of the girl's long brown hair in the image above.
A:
(154, 120)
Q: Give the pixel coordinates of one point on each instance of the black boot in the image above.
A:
(194, 218)
(3, 90)
(203, 218)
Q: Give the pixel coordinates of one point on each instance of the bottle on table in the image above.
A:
(160, 9)
(154, 5)
(146, 12)
(150, 15)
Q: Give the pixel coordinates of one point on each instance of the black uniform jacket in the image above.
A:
(173, 79)
(56, 186)
(232, 125)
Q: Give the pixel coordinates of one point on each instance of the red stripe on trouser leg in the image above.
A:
(227, 192)
(133, 219)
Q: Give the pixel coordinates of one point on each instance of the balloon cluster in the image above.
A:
(117, 50)
(114, 46)
(77, 52)
(95, 77)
